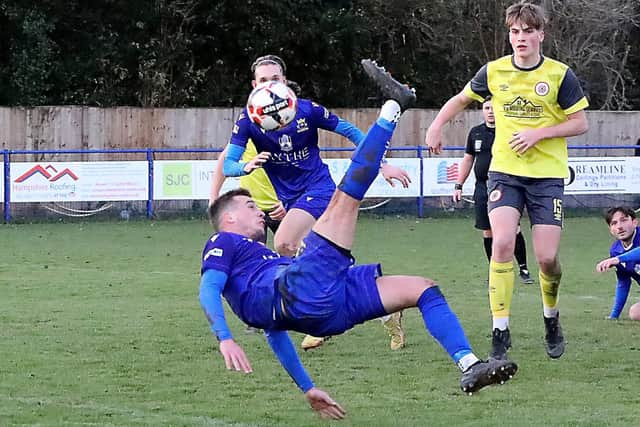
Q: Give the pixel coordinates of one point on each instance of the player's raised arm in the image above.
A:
(218, 177)
(211, 285)
(232, 165)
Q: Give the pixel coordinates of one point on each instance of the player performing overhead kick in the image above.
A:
(321, 291)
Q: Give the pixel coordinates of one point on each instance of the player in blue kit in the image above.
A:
(624, 256)
(321, 291)
(291, 159)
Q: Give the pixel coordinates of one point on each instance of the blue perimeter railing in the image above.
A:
(149, 152)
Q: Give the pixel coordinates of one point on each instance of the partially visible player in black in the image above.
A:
(478, 155)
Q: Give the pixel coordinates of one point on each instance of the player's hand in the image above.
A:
(390, 172)
(457, 196)
(257, 162)
(278, 212)
(606, 264)
(324, 405)
(234, 356)
(433, 139)
(523, 140)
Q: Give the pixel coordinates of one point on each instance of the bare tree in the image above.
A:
(594, 38)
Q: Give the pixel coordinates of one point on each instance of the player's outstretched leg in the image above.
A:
(484, 373)
(338, 222)
(443, 324)
(398, 292)
(390, 87)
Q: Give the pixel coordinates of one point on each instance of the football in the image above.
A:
(272, 105)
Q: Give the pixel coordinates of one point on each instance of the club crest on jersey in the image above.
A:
(541, 88)
(636, 268)
(285, 143)
(478, 145)
(301, 125)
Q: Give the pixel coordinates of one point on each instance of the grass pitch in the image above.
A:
(100, 325)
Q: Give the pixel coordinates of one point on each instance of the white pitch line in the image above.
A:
(135, 413)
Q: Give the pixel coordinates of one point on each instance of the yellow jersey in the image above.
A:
(257, 182)
(537, 97)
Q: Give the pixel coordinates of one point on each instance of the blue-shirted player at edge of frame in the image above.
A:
(624, 257)
(321, 292)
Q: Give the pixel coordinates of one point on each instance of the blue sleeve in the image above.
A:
(632, 256)
(622, 293)
(349, 131)
(286, 353)
(211, 286)
(232, 164)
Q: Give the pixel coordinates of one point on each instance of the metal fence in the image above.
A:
(421, 199)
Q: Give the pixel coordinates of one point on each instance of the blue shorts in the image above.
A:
(314, 200)
(322, 293)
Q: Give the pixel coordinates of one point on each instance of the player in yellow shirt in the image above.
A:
(537, 103)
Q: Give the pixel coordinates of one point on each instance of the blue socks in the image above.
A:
(443, 324)
(365, 162)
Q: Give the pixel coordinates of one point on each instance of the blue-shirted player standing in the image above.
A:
(321, 291)
(624, 256)
(291, 158)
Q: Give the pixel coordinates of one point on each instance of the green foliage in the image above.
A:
(164, 53)
(101, 326)
(31, 57)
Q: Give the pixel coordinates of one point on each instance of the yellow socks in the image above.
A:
(501, 281)
(549, 284)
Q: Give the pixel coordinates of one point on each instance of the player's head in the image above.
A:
(268, 68)
(622, 222)
(487, 112)
(525, 22)
(235, 211)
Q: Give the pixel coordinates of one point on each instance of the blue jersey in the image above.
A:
(251, 268)
(295, 164)
(629, 269)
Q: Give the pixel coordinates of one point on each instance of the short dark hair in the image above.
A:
(222, 203)
(269, 59)
(624, 210)
(527, 13)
